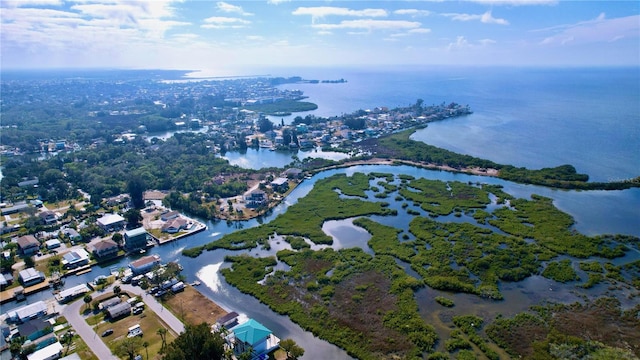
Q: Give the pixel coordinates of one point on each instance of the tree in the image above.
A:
(133, 218)
(117, 238)
(163, 336)
(136, 188)
(117, 290)
(146, 350)
(87, 299)
(291, 348)
(264, 125)
(196, 342)
(129, 347)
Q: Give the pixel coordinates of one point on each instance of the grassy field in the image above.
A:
(192, 307)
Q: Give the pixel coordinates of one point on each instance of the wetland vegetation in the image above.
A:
(366, 303)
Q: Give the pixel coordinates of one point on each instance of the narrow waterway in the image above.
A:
(615, 212)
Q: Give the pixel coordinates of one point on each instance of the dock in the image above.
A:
(12, 294)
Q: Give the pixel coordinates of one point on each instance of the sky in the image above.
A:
(236, 37)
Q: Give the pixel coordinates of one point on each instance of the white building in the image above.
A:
(111, 222)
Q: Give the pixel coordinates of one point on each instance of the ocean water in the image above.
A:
(531, 117)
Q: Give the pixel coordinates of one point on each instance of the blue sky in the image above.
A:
(235, 37)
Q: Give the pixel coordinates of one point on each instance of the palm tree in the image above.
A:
(146, 344)
(163, 335)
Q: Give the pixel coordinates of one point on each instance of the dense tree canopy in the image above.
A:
(196, 342)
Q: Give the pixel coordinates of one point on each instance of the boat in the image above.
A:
(142, 251)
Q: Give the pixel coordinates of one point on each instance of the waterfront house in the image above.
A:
(27, 312)
(30, 276)
(75, 258)
(255, 199)
(280, 184)
(111, 222)
(293, 173)
(105, 249)
(135, 239)
(174, 225)
(28, 245)
(144, 264)
(72, 293)
(252, 336)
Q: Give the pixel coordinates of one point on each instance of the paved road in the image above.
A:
(173, 322)
(93, 340)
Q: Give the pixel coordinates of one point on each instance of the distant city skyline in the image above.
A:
(242, 37)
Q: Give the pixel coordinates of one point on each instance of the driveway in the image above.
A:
(93, 340)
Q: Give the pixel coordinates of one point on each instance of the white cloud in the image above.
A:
(412, 12)
(228, 8)
(420, 31)
(370, 24)
(460, 43)
(221, 22)
(324, 11)
(28, 3)
(597, 30)
(515, 2)
(486, 18)
(277, 2)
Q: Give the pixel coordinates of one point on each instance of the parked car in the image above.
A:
(137, 310)
(107, 332)
(160, 293)
(154, 290)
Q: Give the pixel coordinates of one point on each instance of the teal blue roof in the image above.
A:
(251, 332)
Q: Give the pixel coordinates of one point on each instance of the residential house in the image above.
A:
(72, 234)
(252, 336)
(174, 225)
(122, 309)
(27, 312)
(135, 239)
(111, 222)
(30, 276)
(48, 217)
(293, 173)
(72, 293)
(6, 279)
(169, 215)
(280, 184)
(33, 329)
(105, 249)
(52, 244)
(28, 245)
(51, 352)
(256, 198)
(104, 305)
(75, 258)
(144, 264)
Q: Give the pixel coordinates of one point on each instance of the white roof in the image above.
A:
(47, 352)
(28, 310)
(74, 291)
(52, 242)
(110, 219)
